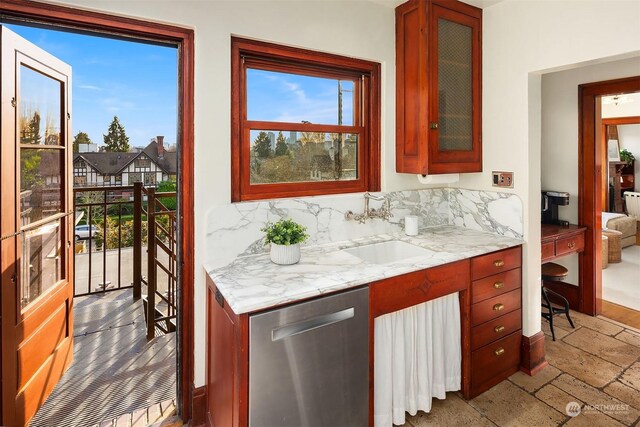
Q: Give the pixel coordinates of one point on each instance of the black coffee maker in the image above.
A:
(550, 202)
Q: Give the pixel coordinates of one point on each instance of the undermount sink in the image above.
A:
(387, 252)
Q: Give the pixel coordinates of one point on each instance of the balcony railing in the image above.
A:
(131, 242)
(103, 253)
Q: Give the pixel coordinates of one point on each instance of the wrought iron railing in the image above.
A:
(101, 250)
(161, 279)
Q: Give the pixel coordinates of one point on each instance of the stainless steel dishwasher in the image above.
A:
(309, 363)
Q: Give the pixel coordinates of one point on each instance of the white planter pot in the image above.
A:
(285, 254)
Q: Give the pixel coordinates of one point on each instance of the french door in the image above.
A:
(37, 224)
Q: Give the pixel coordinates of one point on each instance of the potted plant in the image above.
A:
(626, 156)
(285, 237)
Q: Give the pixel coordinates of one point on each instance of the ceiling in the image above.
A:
(477, 3)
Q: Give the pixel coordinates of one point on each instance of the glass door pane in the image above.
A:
(42, 175)
(455, 92)
(41, 261)
(40, 108)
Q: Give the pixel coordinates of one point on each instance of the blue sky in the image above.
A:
(293, 98)
(134, 81)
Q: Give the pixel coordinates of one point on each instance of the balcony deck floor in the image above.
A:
(115, 370)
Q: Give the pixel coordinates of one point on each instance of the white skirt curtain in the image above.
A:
(417, 356)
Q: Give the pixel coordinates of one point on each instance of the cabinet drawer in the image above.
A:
(495, 329)
(495, 307)
(570, 244)
(491, 362)
(496, 285)
(397, 293)
(548, 250)
(495, 262)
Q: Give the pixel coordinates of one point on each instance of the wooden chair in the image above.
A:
(554, 272)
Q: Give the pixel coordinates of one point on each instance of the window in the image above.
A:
(142, 163)
(150, 178)
(80, 168)
(303, 123)
(135, 177)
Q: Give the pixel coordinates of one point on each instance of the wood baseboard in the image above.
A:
(199, 406)
(532, 358)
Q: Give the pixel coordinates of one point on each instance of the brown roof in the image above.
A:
(110, 163)
(107, 163)
(168, 162)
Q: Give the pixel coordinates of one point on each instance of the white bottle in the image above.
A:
(411, 225)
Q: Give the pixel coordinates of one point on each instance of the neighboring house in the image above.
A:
(88, 148)
(152, 165)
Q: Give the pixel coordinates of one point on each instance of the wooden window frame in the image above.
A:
(253, 54)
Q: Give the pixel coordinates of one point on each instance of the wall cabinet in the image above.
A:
(438, 87)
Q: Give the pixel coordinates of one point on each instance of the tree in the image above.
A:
(116, 139)
(30, 132)
(168, 187)
(315, 137)
(80, 138)
(262, 146)
(282, 149)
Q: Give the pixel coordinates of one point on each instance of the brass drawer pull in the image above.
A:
(498, 285)
(571, 245)
(499, 352)
(498, 263)
(498, 329)
(498, 307)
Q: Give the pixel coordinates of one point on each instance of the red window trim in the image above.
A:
(274, 57)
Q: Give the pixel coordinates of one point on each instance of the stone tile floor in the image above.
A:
(596, 365)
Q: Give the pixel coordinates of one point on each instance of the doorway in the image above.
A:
(182, 39)
(592, 159)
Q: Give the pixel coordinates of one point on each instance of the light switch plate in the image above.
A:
(503, 179)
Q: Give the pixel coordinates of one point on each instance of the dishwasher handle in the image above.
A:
(286, 331)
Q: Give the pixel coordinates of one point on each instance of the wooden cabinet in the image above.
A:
(227, 369)
(621, 179)
(438, 87)
(490, 314)
(559, 240)
(496, 318)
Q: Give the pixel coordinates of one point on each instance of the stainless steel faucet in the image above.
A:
(383, 213)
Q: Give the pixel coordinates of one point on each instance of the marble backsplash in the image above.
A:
(234, 229)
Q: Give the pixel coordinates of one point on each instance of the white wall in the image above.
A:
(521, 38)
(629, 137)
(559, 152)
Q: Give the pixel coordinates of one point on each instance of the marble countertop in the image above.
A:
(253, 283)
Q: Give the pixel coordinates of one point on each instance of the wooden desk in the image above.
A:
(558, 241)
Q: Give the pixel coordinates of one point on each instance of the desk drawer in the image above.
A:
(495, 329)
(495, 307)
(571, 244)
(495, 362)
(495, 262)
(496, 285)
(548, 250)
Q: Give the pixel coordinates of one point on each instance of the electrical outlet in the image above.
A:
(503, 179)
